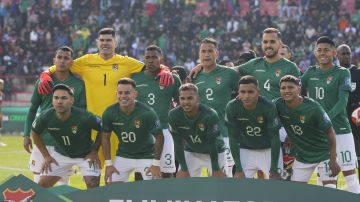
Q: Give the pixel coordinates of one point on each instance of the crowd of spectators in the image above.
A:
(30, 30)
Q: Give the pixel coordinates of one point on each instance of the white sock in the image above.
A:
(36, 178)
(229, 171)
(330, 186)
(353, 183)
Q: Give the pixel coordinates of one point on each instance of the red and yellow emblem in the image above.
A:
(329, 79)
(260, 119)
(137, 123)
(74, 129)
(302, 118)
(115, 67)
(18, 195)
(201, 126)
(278, 72)
(218, 80)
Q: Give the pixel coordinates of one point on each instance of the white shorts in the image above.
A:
(302, 171)
(126, 166)
(196, 161)
(167, 160)
(65, 166)
(229, 157)
(345, 151)
(37, 159)
(253, 160)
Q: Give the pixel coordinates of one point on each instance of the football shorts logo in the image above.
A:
(277, 72)
(137, 123)
(201, 126)
(218, 80)
(74, 129)
(302, 118)
(329, 79)
(260, 119)
(115, 67)
(18, 195)
(33, 162)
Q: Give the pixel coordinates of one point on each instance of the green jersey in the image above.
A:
(73, 136)
(156, 96)
(307, 127)
(215, 89)
(135, 131)
(45, 102)
(253, 129)
(201, 133)
(328, 87)
(269, 74)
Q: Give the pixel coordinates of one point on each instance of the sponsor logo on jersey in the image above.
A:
(74, 129)
(115, 67)
(199, 82)
(286, 117)
(314, 79)
(302, 118)
(137, 123)
(18, 195)
(329, 79)
(353, 86)
(260, 70)
(117, 124)
(242, 119)
(260, 119)
(218, 80)
(142, 85)
(184, 127)
(201, 126)
(277, 72)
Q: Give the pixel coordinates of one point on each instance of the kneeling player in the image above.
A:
(253, 126)
(138, 128)
(310, 131)
(195, 129)
(71, 129)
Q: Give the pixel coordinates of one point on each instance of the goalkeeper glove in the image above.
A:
(166, 78)
(45, 83)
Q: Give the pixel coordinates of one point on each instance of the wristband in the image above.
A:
(156, 162)
(108, 162)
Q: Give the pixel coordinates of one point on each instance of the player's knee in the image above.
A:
(92, 181)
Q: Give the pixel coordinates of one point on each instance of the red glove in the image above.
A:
(166, 78)
(45, 83)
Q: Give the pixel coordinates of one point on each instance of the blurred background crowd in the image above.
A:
(31, 30)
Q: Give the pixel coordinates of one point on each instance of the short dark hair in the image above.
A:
(290, 78)
(66, 49)
(188, 86)
(272, 30)
(154, 48)
(248, 80)
(181, 71)
(325, 39)
(127, 81)
(107, 30)
(63, 87)
(210, 40)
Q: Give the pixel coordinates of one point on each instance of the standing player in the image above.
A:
(216, 84)
(330, 85)
(344, 56)
(100, 72)
(196, 134)
(253, 126)
(139, 131)
(63, 60)
(310, 130)
(70, 127)
(160, 99)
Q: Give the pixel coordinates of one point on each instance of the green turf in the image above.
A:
(14, 161)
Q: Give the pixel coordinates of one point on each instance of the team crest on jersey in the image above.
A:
(74, 129)
(302, 118)
(161, 87)
(278, 72)
(201, 126)
(115, 67)
(260, 119)
(137, 123)
(329, 79)
(18, 195)
(218, 80)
